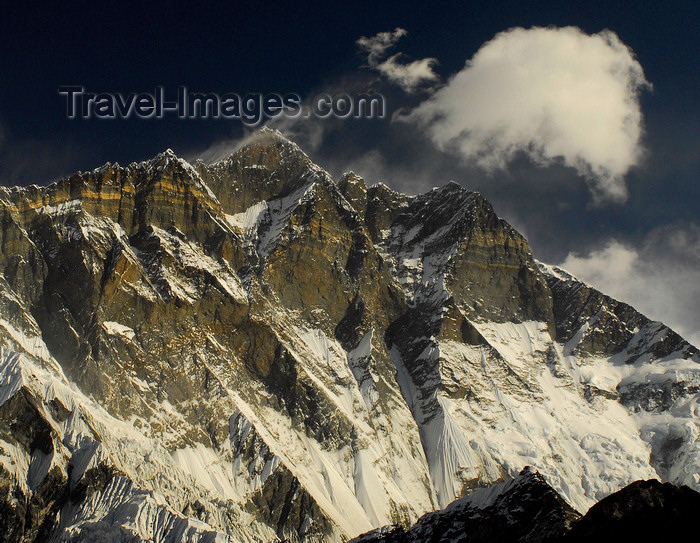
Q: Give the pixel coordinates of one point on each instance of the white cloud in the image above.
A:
(552, 93)
(409, 76)
(660, 277)
(613, 269)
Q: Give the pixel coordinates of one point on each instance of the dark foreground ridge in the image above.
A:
(527, 509)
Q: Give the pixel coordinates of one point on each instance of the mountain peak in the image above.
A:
(286, 357)
(264, 138)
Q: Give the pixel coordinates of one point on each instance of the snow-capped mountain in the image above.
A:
(249, 350)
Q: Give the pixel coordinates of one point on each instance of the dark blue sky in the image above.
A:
(280, 47)
(303, 48)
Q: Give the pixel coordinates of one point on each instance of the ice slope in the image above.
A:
(537, 415)
(375, 475)
(654, 373)
(521, 398)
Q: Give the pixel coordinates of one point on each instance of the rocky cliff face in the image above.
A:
(249, 350)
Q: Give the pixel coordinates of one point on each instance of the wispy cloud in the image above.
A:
(555, 94)
(410, 76)
(377, 45)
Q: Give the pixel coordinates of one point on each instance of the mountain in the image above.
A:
(525, 508)
(250, 350)
(528, 509)
(642, 511)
